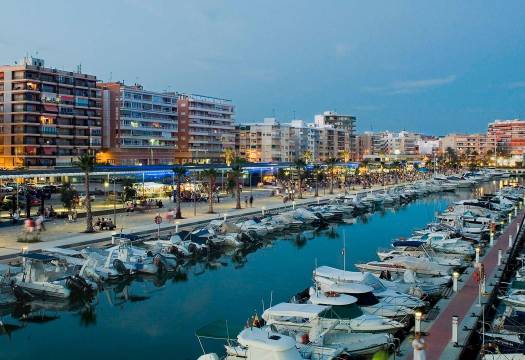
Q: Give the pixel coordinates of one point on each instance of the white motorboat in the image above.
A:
(398, 265)
(384, 294)
(366, 299)
(337, 313)
(38, 280)
(516, 298)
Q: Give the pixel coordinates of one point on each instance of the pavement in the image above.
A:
(65, 234)
(463, 304)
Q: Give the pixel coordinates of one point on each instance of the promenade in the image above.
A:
(59, 232)
(465, 304)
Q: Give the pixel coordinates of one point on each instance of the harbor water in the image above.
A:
(157, 317)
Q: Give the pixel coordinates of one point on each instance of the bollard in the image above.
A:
(318, 200)
(417, 323)
(477, 254)
(177, 226)
(455, 277)
(510, 217)
(510, 241)
(515, 211)
(262, 210)
(112, 239)
(454, 338)
(225, 216)
(293, 205)
(500, 254)
(491, 239)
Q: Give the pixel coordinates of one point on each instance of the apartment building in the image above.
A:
(468, 144)
(337, 121)
(306, 139)
(140, 126)
(269, 141)
(48, 117)
(508, 136)
(206, 128)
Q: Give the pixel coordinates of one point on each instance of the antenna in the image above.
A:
(110, 76)
(79, 68)
(344, 250)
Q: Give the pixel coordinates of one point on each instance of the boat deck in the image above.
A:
(464, 304)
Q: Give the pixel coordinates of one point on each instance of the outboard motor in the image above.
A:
(160, 263)
(120, 267)
(21, 294)
(79, 286)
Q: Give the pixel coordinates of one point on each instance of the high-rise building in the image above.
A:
(342, 122)
(266, 142)
(206, 128)
(48, 117)
(508, 136)
(140, 126)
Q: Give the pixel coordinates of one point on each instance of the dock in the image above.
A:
(466, 305)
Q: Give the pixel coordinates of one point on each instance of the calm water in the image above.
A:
(152, 317)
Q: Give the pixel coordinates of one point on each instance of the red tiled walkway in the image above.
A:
(440, 332)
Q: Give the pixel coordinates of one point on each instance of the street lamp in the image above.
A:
(417, 324)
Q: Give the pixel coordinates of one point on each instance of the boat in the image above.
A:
(400, 264)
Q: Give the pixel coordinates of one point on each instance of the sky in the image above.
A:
(429, 66)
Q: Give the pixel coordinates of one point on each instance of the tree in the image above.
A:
(344, 155)
(179, 172)
(229, 156)
(210, 175)
(86, 162)
(317, 172)
(236, 174)
(68, 196)
(299, 165)
(330, 168)
(308, 157)
(451, 157)
(283, 176)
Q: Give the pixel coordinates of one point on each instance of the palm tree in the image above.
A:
(211, 176)
(317, 175)
(179, 172)
(344, 155)
(330, 167)
(308, 157)
(229, 156)
(236, 173)
(299, 165)
(86, 162)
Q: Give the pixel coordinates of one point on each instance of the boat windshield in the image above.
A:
(342, 312)
(366, 299)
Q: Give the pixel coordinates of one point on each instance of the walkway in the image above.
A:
(439, 333)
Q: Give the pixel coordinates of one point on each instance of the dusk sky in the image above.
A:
(445, 66)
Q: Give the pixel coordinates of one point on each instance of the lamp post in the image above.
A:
(114, 202)
(455, 277)
(417, 323)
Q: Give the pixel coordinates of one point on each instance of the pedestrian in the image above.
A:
(419, 347)
(251, 200)
(40, 223)
(246, 201)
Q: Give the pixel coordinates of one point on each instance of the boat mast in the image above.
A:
(344, 250)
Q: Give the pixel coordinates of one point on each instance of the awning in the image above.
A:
(50, 107)
(306, 311)
(67, 97)
(38, 256)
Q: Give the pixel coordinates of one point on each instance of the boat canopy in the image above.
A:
(337, 274)
(219, 329)
(306, 311)
(38, 256)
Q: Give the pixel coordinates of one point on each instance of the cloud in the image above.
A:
(516, 85)
(411, 86)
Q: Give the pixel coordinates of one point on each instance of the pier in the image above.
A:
(467, 306)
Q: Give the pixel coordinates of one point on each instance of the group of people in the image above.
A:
(32, 225)
(104, 224)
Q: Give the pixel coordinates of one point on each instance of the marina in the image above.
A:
(144, 311)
